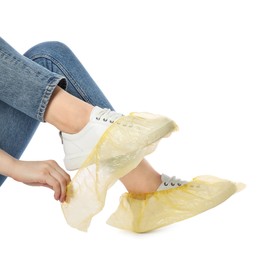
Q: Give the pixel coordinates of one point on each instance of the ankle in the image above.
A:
(148, 186)
(77, 120)
(66, 112)
(143, 179)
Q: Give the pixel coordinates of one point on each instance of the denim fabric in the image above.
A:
(25, 85)
(27, 82)
(57, 57)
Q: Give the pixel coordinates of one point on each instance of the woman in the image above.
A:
(49, 84)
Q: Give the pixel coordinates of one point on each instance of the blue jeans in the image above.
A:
(26, 85)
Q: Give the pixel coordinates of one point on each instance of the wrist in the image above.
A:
(7, 164)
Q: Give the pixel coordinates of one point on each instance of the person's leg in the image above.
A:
(57, 57)
(24, 84)
(25, 89)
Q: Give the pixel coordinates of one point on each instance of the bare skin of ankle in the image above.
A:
(143, 179)
(66, 112)
(70, 114)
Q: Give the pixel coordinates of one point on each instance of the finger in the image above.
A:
(62, 182)
(52, 182)
(66, 176)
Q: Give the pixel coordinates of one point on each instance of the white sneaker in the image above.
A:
(114, 150)
(170, 182)
(78, 146)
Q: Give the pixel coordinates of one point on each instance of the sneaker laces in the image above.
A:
(170, 182)
(174, 181)
(107, 115)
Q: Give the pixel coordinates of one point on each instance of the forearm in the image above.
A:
(6, 163)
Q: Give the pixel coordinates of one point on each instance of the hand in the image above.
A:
(42, 173)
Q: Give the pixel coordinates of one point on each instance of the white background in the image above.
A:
(197, 62)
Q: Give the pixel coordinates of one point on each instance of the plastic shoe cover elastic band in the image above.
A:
(146, 212)
(119, 151)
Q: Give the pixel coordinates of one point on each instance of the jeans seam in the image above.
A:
(13, 59)
(65, 72)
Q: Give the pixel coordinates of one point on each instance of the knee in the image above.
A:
(49, 48)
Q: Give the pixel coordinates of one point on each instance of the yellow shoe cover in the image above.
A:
(146, 212)
(121, 148)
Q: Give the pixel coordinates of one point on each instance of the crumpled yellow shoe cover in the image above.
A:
(120, 149)
(146, 212)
